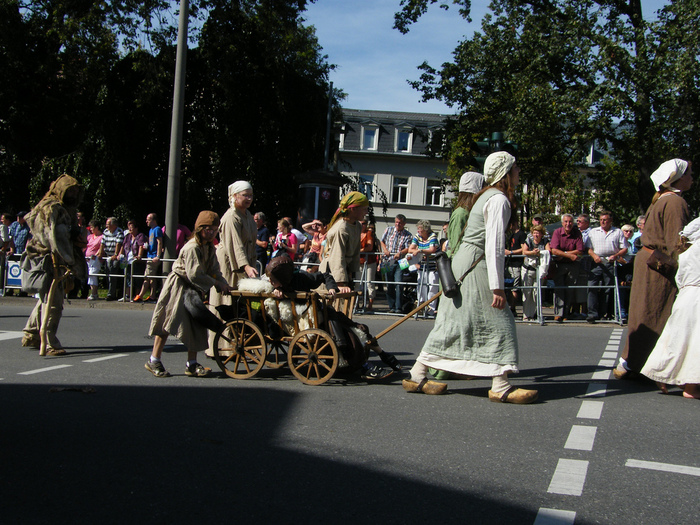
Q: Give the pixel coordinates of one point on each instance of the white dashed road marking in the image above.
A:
(4, 336)
(555, 517)
(569, 477)
(581, 438)
(105, 358)
(590, 410)
(39, 370)
(663, 467)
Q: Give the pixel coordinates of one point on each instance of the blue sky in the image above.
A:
(375, 61)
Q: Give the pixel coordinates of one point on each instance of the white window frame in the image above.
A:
(433, 187)
(397, 185)
(368, 127)
(397, 134)
(341, 138)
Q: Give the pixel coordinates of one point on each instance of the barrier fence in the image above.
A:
(424, 286)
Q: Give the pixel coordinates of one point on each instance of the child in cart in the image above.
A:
(356, 338)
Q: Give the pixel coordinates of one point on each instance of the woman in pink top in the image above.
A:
(94, 241)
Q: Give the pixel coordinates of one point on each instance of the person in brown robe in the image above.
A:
(653, 293)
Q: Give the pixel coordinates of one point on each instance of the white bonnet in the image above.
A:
(669, 172)
(237, 187)
(692, 231)
(471, 182)
(497, 165)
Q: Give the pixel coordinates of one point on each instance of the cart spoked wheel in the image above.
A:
(276, 353)
(312, 356)
(239, 349)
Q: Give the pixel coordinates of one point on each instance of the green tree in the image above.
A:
(557, 75)
(91, 95)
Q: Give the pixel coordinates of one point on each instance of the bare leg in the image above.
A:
(691, 391)
(158, 345)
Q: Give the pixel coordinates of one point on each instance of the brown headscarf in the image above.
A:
(205, 219)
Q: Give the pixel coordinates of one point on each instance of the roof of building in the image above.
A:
(391, 117)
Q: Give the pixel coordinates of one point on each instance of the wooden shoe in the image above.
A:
(517, 396)
(432, 388)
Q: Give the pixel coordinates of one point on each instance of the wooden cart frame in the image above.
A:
(242, 347)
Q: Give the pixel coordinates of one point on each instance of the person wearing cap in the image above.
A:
(675, 360)
(237, 241)
(653, 293)
(196, 268)
(20, 233)
(474, 333)
(470, 185)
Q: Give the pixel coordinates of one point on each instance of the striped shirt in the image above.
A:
(110, 240)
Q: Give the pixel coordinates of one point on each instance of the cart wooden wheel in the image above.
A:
(276, 353)
(312, 356)
(239, 349)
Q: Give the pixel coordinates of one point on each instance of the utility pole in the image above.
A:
(172, 204)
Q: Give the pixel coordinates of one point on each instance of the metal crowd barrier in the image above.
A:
(11, 276)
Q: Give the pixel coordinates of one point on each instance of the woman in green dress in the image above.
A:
(474, 333)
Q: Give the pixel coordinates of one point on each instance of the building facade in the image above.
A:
(384, 151)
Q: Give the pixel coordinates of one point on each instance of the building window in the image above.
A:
(433, 194)
(404, 141)
(370, 137)
(400, 193)
(365, 185)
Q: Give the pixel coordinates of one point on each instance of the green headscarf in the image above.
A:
(351, 200)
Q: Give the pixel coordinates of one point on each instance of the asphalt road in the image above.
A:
(92, 437)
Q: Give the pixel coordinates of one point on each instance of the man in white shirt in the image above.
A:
(605, 244)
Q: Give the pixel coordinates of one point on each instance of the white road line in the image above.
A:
(554, 517)
(663, 467)
(39, 370)
(596, 390)
(612, 348)
(105, 358)
(581, 438)
(590, 410)
(615, 338)
(601, 375)
(607, 362)
(4, 336)
(569, 477)
(609, 355)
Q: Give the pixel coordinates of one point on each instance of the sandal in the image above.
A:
(197, 370)
(517, 396)
(55, 351)
(432, 388)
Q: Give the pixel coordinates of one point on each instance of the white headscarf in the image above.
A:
(237, 187)
(669, 172)
(471, 182)
(497, 165)
(692, 231)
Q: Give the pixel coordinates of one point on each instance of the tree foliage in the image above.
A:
(556, 76)
(88, 88)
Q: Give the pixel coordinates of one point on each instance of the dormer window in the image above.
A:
(370, 137)
(403, 141)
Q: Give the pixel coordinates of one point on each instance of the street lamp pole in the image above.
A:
(172, 203)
